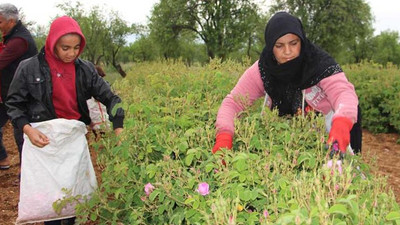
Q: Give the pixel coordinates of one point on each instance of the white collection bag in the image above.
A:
(63, 163)
(98, 114)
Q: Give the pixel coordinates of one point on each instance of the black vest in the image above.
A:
(7, 73)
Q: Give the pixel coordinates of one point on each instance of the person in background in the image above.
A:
(294, 75)
(17, 45)
(56, 84)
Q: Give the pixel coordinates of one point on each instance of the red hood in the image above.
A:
(60, 27)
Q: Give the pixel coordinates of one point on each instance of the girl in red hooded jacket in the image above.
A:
(56, 84)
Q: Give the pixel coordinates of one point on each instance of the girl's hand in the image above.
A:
(36, 137)
(118, 131)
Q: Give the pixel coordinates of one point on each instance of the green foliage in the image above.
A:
(222, 25)
(275, 174)
(378, 89)
(386, 48)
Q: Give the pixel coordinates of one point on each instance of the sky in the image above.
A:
(386, 12)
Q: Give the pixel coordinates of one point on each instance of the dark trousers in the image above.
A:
(356, 134)
(70, 221)
(18, 134)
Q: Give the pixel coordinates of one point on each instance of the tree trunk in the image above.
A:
(249, 43)
(118, 67)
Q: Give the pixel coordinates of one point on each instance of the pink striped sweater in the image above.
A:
(334, 95)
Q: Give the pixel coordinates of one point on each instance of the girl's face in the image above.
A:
(67, 47)
(287, 48)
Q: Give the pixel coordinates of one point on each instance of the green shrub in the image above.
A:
(378, 89)
(275, 174)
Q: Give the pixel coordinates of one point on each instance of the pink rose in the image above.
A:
(266, 214)
(339, 166)
(203, 189)
(148, 188)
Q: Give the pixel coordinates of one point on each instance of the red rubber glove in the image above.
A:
(340, 132)
(223, 140)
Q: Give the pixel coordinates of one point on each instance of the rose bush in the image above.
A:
(164, 172)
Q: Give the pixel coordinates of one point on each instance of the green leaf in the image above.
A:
(189, 159)
(191, 151)
(233, 174)
(303, 157)
(314, 211)
(161, 209)
(189, 200)
(161, 196)
(283, 183)
(196, 204)
(149, 149)
(183, 146)
(93, 216)
(189, 213)
(254, 194)
(339, 222)
(285, 219)
(241, 165)
(151, 170)
(191, 183)
(394, 215)
(242, 178)
(338, 209)
(209, 167)
(245, 195)
(154, 194)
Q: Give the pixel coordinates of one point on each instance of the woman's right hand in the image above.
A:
(223, 140)
(36, 137)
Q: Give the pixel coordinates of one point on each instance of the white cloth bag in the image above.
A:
(98, 114)
(64, 163)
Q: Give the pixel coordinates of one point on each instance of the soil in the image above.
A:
(381, 151)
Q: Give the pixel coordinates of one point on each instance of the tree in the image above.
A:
(335, 25)
(141, 50)
(117, 33)
(223, 25)
(255, 42)
(386, 48)
(105, 35)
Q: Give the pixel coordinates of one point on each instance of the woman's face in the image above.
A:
(287, 48)
(67, 47)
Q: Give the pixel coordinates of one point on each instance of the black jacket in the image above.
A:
(30, 94)
(7, 73)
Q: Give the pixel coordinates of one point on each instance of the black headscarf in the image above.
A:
(284, 82)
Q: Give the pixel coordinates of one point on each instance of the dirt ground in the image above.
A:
(381, 148)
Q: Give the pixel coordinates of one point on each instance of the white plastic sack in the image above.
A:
(64, 163)
(98, 114)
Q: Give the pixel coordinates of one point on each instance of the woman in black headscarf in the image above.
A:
(294, 75)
